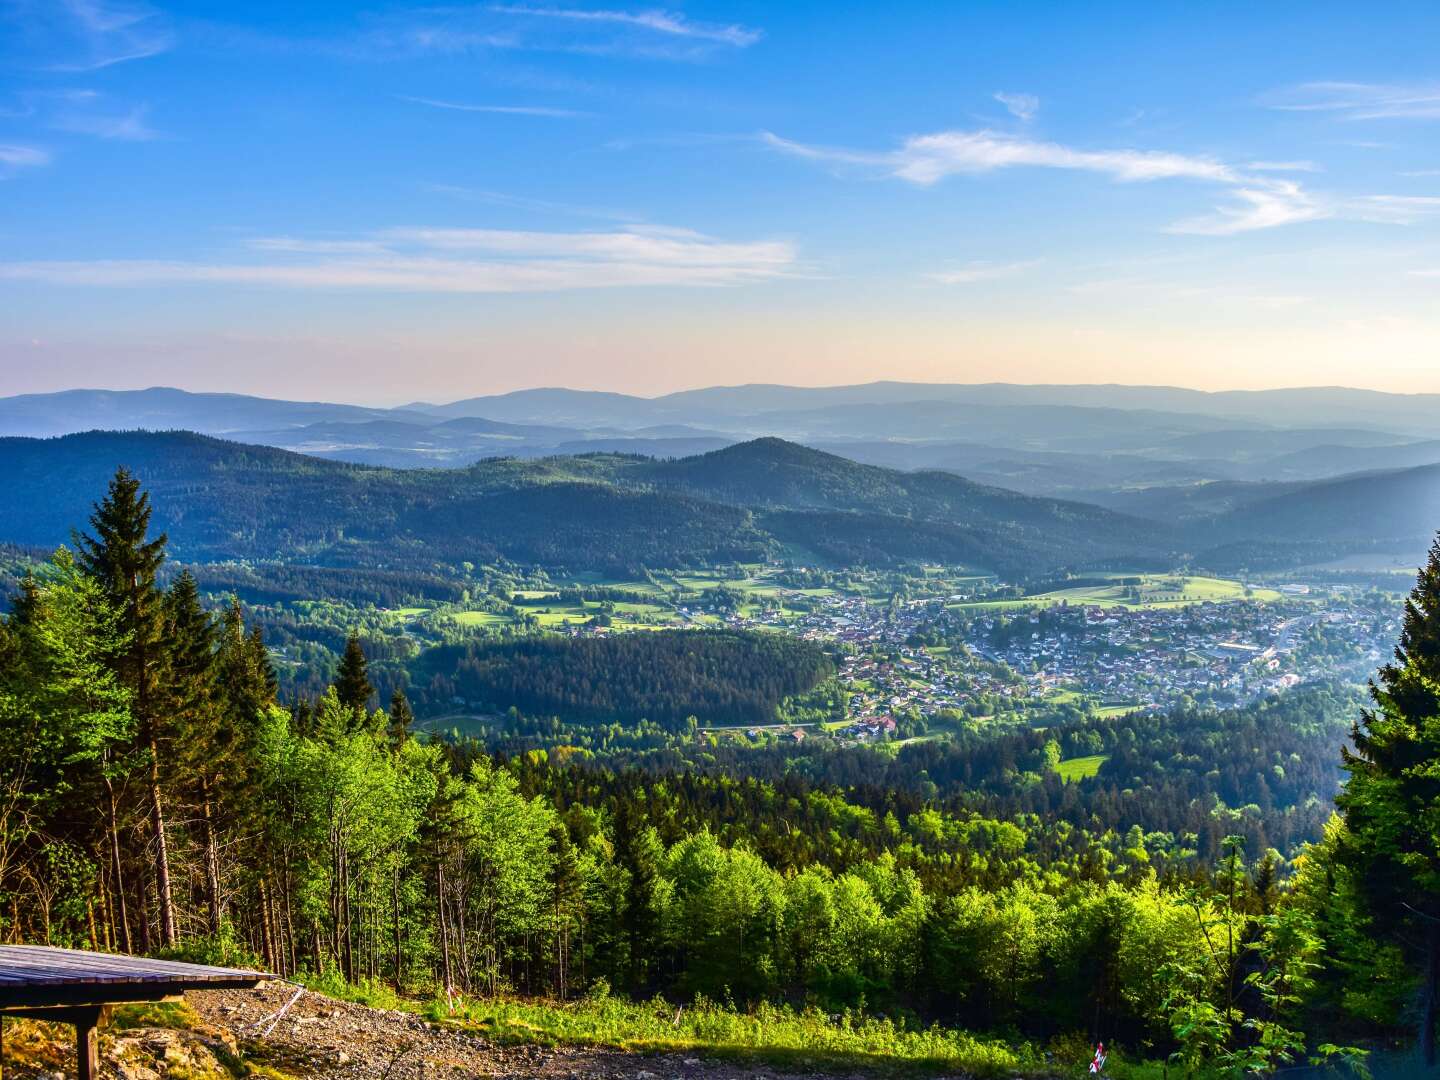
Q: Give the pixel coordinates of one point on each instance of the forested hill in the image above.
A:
(223, 500)
(775, 473)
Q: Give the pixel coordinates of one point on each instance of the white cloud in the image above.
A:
(1021, 106)
(1257, 201)
(1277, 203)
(13, 158)
(454, 261)
(506, 110)
(661, 22)
(1362, 101)
(927, 159)
(975, 272)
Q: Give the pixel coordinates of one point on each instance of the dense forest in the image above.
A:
(157, 798)
(668, 676)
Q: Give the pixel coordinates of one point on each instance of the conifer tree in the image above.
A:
(191, 696)
(1391, 801)
(638, 853)
(125, 560)
(352, 680)
(401, 717)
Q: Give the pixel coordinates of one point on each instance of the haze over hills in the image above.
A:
(1073, 441)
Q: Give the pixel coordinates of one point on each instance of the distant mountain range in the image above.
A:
(1083, 442)
(223, 500)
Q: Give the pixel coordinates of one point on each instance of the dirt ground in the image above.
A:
(323, 1037)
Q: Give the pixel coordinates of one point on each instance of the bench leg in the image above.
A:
(87, 1043)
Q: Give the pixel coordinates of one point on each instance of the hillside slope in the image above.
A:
(222, 500)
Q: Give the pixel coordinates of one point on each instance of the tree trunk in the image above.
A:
(444, 933)
(143, 904)
(1432, 991)
(122, 919)
(267, 941)
(162, 852)
(348, 957)
(395, 903)
(212, 862)
(290, 956)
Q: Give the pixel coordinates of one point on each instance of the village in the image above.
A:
(936, 660)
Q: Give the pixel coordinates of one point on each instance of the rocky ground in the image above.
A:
(322, 1037)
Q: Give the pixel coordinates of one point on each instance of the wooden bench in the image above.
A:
(71, 986)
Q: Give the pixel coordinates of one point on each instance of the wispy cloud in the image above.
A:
(13, 158)
(1021, 106)
(82, 35)
(455, 261)
(129, 125)
(660, 22)
(504, 110)
(1394, 209)
(1278, 203)
(1284, 166)
(928, 159)
(1362, 101)
(975, 272)
(1256, 200)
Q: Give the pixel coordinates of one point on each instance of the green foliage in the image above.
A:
(667, 676)
(965, 884)
(1391, 802)
(799, 1040)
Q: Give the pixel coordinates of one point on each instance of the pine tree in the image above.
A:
(352, 681)
(638, 853)
(1391, 801)
(122, 557)
(204, 740)
(401, 717)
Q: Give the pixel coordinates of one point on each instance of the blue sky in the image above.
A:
(388, 202)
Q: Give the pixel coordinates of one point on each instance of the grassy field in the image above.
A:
(1109, 712)
(1081, 768)
(802, 1041)
(479, 618)
(1155, 591)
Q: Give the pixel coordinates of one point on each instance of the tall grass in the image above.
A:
(777, 1034)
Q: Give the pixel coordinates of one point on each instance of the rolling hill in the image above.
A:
(1060, 441)
(222, 500)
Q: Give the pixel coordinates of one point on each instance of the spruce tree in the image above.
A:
(401, 717)
(126, 561)
(1391, 800)
(204, 739)
(638, 853)
(352, 681)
